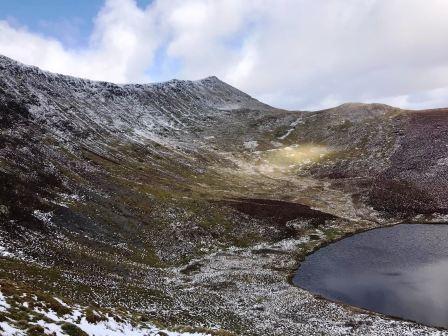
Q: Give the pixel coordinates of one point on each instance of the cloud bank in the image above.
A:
(297, 54)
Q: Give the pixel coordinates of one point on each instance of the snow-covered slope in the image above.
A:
(73, 108)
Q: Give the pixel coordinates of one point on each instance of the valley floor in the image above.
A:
(238, 291)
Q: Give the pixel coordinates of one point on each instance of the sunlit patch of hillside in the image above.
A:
(281, 160)
(259, 171)
(291, 156)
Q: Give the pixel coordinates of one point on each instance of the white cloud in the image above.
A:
(121, 47)
(290, 53)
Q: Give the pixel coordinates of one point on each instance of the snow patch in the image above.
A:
(4, 306)
(52, 323)
(284, 136)
(293, 127)
(43, 216)
(251, 145)
(8, 330)
(4, 252)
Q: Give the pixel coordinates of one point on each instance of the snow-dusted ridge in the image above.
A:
(211, 84)
(9, 62)
(172, 112)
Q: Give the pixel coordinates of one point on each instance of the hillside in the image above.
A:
(190, 203)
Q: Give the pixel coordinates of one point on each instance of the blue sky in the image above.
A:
(70, 21)
(295, 54)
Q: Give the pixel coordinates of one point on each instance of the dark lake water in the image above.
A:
(400, 271)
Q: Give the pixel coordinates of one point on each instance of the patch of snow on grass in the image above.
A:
(51, 314)
(109, 327)
(8, 330)
(43, 216)
(50, 327)
(113, 328)
(62, 303)
(250, 145)
(3, 304)
(4, 252)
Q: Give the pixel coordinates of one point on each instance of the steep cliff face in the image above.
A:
(110, 190)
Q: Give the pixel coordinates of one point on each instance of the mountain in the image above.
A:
(188, 204)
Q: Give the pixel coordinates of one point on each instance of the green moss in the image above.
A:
(3, 317)
(36, 330)
(72, 330)
(53, 304)
(19, 315)
(213, 332)
(151, 258)
(246, 240)
(22, 324)
(332, 234)
(280, 131)
(93, 317)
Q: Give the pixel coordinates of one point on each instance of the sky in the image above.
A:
(294, 54)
